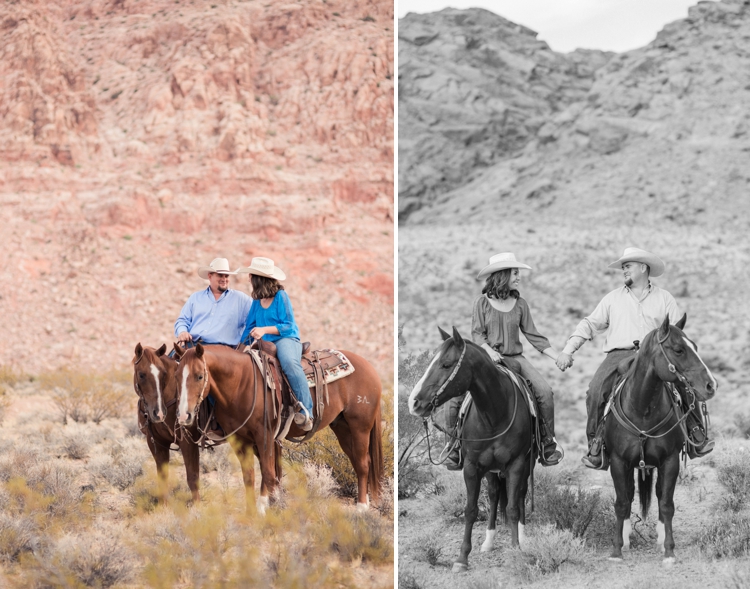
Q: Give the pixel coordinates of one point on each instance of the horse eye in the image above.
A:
(141, 375)
(200, 377)
(679, 351)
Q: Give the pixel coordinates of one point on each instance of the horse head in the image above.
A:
(192, 380)
(678, 360)
(440, 381)
(152, 376)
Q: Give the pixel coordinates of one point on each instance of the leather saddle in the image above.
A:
(316, 364)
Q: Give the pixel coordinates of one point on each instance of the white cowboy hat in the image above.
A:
(501, 262)
(263, 267)
(636, 254)
(218, 266)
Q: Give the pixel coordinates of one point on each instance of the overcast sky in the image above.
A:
(611, 25)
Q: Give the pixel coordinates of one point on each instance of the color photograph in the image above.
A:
(197, 296)
(572, 270)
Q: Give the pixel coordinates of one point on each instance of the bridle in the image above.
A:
(142, 398)
(433, 404)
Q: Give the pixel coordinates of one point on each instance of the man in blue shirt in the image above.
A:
(217, 314)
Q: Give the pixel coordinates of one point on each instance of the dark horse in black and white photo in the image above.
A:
(647, 427)
(496, 436)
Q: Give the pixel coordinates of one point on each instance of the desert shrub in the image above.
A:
(10, 376)
(5, 402)
(99, 559)
(320, 481)
(17, 463)
(407, 579)
(355, 535)
(75, 447)
(742, 423)
(83, 397)
(414, 471)
(545, 552)
(733, 472)
(385, 507)
(567, 508)
(429, 549)
(18, 534)
(727, 536)
(216, 459)
(120, 467)
(56, 482)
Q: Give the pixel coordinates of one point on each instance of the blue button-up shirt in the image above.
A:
(215, 321)
(279, 314)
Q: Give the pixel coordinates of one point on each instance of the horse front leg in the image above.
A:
(191, 456)
(268, 481)
(624, 495)
(514, 477)
(161, 458)
(668, 473)
(523, 491)
(473, 481)
(493, 488)
(247, 464)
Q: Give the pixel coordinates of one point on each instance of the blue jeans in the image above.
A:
(289, 353)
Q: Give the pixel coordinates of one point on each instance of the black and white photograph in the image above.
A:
(572, 396)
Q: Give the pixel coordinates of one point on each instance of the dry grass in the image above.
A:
(78, 508)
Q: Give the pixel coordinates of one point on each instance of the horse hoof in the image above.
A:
(669, 561)
(459, 567)
(615, 559)
(362, 507)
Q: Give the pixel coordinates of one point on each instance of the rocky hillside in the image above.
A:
(654, 153)
(474, 89)
(658, 133)
(142, 138)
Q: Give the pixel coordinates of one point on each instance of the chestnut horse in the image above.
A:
(647, 428)
(242, 408)
(155, 385)
(496, 435)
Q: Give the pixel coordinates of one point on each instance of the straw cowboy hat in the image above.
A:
(263, 267)
(636, 254)
(218, 266)
(501, 262)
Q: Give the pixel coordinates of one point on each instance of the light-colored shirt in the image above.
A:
(279, 314)
(625, 318)
(215, 321)
(500, 330)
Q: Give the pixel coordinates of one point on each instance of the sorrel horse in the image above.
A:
(242, 408)
(155, 385)
(648, 427)
(496, 437)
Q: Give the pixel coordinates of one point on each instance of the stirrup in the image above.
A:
(556, 455)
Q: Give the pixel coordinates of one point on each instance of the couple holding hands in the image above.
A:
(219, 315)
(626, 315)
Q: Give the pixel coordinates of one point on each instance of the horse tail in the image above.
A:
(375, 474)
(645, 485)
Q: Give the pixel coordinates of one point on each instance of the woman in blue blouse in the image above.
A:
(271, 318)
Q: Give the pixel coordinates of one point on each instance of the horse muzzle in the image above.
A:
(186, 420)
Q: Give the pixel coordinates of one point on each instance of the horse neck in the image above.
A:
(490, 399)
(643, 396)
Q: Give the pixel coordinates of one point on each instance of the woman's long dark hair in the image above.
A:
(496, 286)
(264, 288)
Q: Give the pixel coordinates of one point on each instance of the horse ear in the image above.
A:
(178, 351)
(161, 350)
(199, 351)
(681, 322)
(664, 329)
(457, 337)
(444, 335)
(138, 349)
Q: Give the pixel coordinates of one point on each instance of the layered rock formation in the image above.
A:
(474, 89)
(142, 138)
